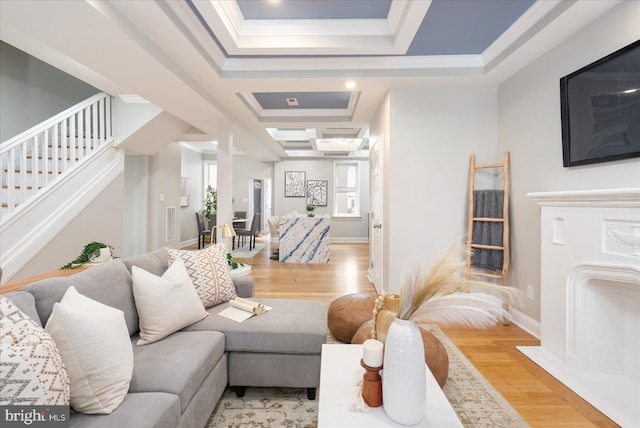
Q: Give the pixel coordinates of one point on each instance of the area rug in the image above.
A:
(476, 402)
(244, 253)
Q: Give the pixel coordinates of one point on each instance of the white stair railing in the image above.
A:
(36, 158)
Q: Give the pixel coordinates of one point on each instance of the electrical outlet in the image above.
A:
(529, 292)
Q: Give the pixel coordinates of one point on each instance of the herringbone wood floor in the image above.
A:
(538, 397)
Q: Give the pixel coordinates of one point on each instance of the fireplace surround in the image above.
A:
(590, 297)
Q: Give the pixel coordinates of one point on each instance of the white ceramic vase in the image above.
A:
(403, 377)
(105, 256)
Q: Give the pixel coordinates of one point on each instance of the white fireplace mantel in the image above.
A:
(590, 296)
(628, 197)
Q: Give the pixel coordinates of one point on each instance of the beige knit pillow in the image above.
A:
(165, 304)
(94, 342)
(209, 272)
(31, 368)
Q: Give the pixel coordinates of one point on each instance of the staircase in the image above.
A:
(50, 173)
(37, 158)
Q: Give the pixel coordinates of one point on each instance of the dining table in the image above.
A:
(238, 223)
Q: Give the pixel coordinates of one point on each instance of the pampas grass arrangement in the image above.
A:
(443, 296)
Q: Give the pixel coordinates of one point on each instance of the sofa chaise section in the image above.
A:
(178, 380)
(189, 366)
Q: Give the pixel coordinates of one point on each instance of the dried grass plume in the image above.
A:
(444, 296)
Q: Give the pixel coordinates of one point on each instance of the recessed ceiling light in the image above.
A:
(350, 84)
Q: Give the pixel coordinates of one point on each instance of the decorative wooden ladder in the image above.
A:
(502, 276)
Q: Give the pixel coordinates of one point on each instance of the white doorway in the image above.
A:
(260, 201)
(375, 225)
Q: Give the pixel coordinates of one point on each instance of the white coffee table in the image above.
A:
(339, 376)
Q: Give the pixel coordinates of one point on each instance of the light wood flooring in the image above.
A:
(538, 397)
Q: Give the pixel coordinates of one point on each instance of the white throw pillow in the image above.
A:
(32, 371)
(96, 348)
(209, 272)
(165, 304)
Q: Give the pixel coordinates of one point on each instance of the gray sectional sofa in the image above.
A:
(178, 380)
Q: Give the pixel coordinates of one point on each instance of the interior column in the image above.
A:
(225, 177)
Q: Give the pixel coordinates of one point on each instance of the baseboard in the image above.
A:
(347, 240)
(188, 242)
(526, 323)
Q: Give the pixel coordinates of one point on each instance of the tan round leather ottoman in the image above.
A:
(435, 355)
(347, 313)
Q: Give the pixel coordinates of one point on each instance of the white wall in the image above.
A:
(380, 129)
(432, 133)
(530, 128)
(33, 91)
(100, 221)
(342, 229)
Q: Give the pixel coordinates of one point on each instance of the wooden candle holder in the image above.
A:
(371, 385)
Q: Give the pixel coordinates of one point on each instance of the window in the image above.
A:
(346, 195)
(210, 176)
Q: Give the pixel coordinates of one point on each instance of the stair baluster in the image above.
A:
(35, 159)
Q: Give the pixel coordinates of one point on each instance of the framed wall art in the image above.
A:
(184, 192)
(294, 184)
(317, 192)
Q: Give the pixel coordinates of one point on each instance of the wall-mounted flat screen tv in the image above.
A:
(600, 109)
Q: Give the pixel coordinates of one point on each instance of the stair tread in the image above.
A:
(4, 186)
(50, 158)
(29, 171)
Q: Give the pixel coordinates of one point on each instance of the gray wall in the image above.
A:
(245, 170)
(136, 205)
(192, 168)
(164, 185)
(342, 229)
(33, 91)
(530, 128)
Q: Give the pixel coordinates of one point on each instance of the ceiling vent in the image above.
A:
(332, 154)
(293, 102)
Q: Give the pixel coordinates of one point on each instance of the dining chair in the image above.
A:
(274, 229)
(213, 222)
(240, 215)
(202, 229)
(251, 233)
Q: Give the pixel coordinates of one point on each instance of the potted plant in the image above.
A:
(210, 203)
(311, 208)
(92, 252)
(237, 269)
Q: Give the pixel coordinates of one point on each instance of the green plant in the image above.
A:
(311, 208)
(232, 264)
(210, 202)
(89, 252)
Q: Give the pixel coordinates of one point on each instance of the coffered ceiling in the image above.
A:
(296, 78)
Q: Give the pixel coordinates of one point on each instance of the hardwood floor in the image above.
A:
(537, 396)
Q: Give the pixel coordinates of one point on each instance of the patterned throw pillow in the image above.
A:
(209, 272)
(31, 368)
